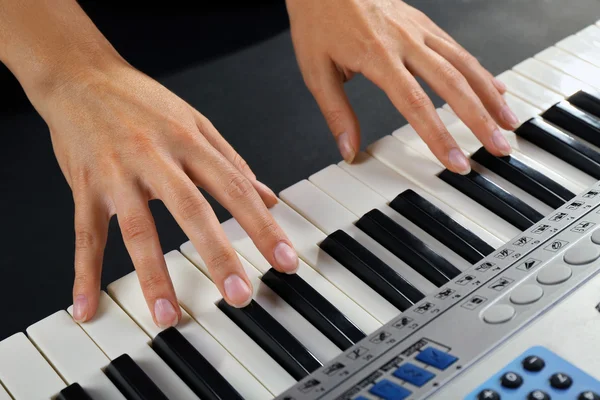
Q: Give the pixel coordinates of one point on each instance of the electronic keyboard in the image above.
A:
(414, 282)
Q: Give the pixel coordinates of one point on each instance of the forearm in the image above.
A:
(45, 42)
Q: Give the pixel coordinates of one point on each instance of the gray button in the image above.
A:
(526, 294)
(582, 254)
(554, 274)
(596, 236)
(498, 314)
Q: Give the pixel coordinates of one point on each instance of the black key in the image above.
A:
(273, 338)
(561, 145)
(441, 226)
(511, 380)
(192, 367)
(525, 177)
(407, 247)
(494, 198)
(587, 100)
(533, 364)
(73, 392)
(132, 381)
(314, 307)
(561, 381)
(575, 121)
(371, 270)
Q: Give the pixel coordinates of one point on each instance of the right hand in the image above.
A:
(122, 139)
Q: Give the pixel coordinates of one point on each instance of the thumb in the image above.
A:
(328, 89)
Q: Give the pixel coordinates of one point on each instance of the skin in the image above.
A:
(122, 139)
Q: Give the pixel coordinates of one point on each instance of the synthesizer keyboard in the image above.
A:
(414, 282)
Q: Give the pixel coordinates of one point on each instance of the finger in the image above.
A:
(231, 189)
(197, 219)
(479, 79)
(141, 239)
(409, 98)
(220, 144)
(453, 87)
(327, 87)
(91, 229)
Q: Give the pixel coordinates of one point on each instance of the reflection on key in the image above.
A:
(574, 121)
(587, 100)
(132, 381)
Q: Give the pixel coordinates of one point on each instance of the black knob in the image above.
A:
(511, 380)
(533, 364)
(561, 381)
(488, 394)
(589, 395)
(538, 395)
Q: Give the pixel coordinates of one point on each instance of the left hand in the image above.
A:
(390, 43)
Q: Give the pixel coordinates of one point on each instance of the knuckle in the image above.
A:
(240, 163)
(334, 117)
(238, 187)
(451, 76)
(417, 99)
(153, 282)
(190, 207)
(268, 229)
(136, 228)
(466, 58)
(221, 260)
(84, 239)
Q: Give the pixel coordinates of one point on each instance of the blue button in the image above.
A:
(436, 358)
(413, 374)
(389, 391)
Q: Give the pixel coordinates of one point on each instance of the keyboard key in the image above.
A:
(574, 121)
(494, 198)
(192, 367)
(550, 77)
(587, 100)
(20, 364)
(132, 381)
(371, 270)
(73, 392)
(273, 338)
(314, 307)
(436, 358)
(511, 380)
(240, 360)
(407, 247)
(528, 90)
(526, 178)
(571, 65)
(347, 306)
(581, 48)
(562, 145)
(4, 395)
(414, 375)
(388, 390)
(438, 224)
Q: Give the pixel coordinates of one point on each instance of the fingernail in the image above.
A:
(459, 161)
(345, 147)
(499, 85)
(237, 291)
(80, 308)
(501, 143)
(510, 117)
(165, 313)
(286, 257)
(267, 189)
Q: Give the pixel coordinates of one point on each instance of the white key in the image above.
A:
(304, 235)
(347, 306)
(423, 172)
(590, 32)
(581, 48)
(571, 65)
(389, 184)
(115, 333)
(318, 344)
(318, 207)
(550, 77)
(529, 91)
(128, 294)
(199, 296)
(63, 342)
(24, 371)
(4, 395)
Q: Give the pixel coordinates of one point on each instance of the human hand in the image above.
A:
(122, 139)
(390, 43)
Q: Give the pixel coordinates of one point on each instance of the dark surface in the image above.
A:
(239, 69)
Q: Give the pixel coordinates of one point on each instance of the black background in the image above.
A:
(235, 63)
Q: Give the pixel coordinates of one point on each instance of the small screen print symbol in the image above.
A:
(582, 226)
(423, 308)
(474, 302)
(575, 205)
(402, 322)
(541, 229)
(485, 266)
(502, 254)
(591, 194)
(558, 217)
(522, 241)
(444, 294)
(356, 353)
(465, 280)
(528, 264)
(501, 284)
(556, 245)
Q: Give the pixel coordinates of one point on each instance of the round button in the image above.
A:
(561, 381)
(526, 294)
(582, 254)
(533, 364)
(498, 314)
(554, 274)
(488, 394)
(588, 395)
(538, 395)
(511, 380)
(596, 236)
